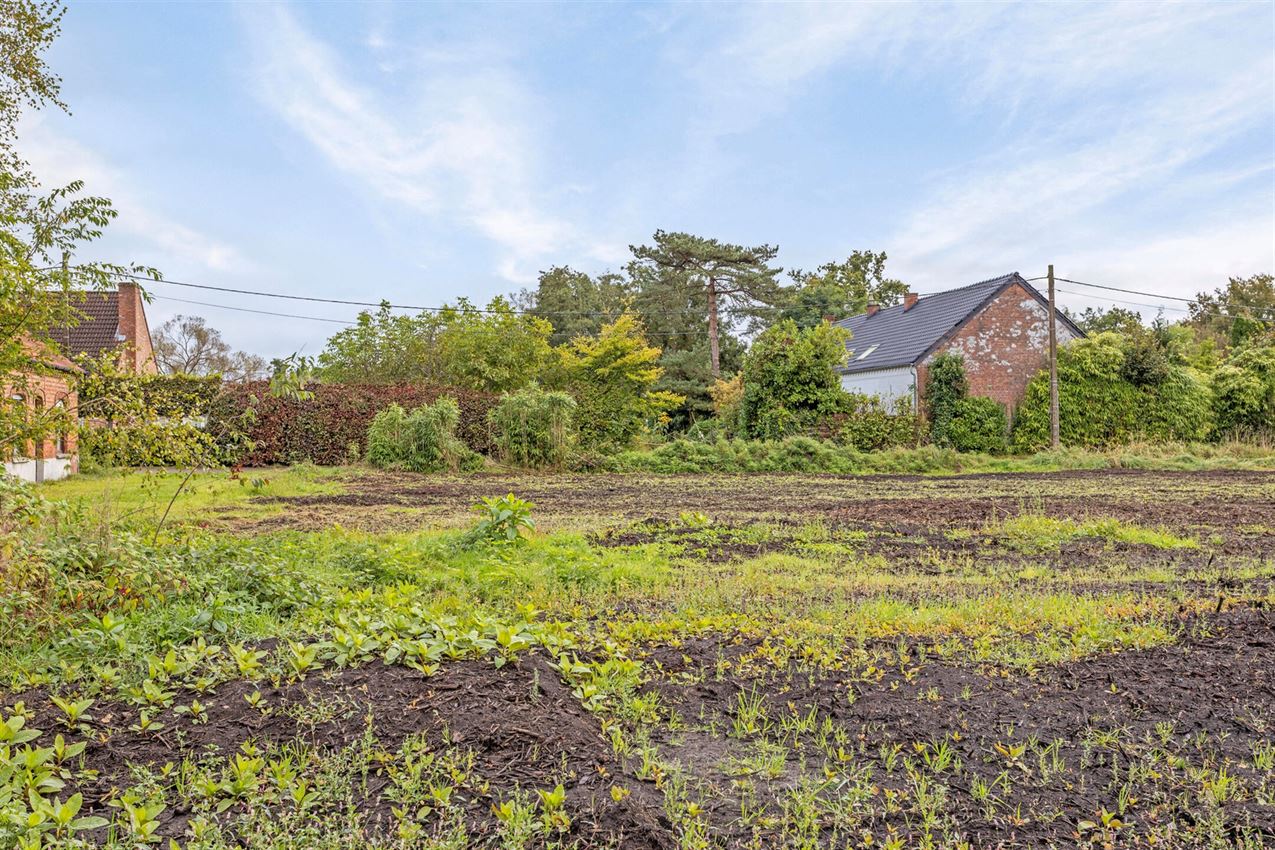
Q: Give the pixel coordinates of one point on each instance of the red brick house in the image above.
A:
(113, 322)
(50, 384)
(999, 326)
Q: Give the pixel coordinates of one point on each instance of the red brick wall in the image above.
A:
(47, 391)
(137, 355)
(1004, 345)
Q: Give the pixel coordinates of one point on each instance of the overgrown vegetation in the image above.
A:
(422, 440)
(467, 684)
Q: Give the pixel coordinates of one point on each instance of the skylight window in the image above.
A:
(866, 352)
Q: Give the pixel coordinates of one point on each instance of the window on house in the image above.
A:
(867, 351)
(61, 446)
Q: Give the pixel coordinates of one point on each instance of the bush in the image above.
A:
(1244, 394)
(331, 427)
(421, 441)
(945, 387)
(869, 424)
(978, 424)
(790, 380)
(533, 428)
(1099, 407)
(57, 564)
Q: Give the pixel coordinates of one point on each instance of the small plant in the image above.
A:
(504, 521)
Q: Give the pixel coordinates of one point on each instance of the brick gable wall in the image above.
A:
(1004, 345)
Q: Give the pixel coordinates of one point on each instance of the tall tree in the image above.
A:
(841, 289)
(725, 276)
(187, 345)
(575, 303)
(1241, 312)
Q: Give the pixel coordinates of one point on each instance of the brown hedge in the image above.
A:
(322, 429)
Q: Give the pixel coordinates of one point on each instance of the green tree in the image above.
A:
(1234, 315)
(493, 348)
(790, 378)
(612, 377)
(384, 348)
(40, 232)
(1095, 320)
(575, 303)
(841, 289)
(723, 278)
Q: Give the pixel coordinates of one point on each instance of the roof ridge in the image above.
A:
(996, 279)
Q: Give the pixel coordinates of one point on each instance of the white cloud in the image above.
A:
(58, 159)
(1097, 107)
(461, 149)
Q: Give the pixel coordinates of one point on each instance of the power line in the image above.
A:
(1127, 291)
(352, 303)
(1127, 303)
(250, 310)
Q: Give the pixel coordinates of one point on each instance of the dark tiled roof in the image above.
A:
(894, 337)
(99, 328)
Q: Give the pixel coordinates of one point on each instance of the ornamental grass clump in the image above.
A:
(533, 428)
(423, 440)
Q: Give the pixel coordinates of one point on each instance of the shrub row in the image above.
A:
(150, 444)
(331, 427)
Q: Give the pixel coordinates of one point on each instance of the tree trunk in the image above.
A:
(714, 355)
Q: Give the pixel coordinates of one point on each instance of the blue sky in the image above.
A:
(422, 152)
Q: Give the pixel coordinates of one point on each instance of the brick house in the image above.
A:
(49, 384)
(113, 322)
(1000, 326)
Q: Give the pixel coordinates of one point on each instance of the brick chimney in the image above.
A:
(138, 355)
(873, 307)
(909, 301)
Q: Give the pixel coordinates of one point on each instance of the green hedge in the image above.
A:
(978, 424)
(1099, 407)
(149, 444)
(331, 427)
(868, 424)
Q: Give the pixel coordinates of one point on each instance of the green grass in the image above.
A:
(140, 495)
(1036, 532)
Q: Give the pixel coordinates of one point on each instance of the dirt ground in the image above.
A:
(1181, 500)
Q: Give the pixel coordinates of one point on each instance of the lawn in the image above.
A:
(339, 658)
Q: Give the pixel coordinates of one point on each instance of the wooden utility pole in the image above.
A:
(1055, 439)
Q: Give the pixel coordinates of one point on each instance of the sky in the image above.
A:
(423, 152)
